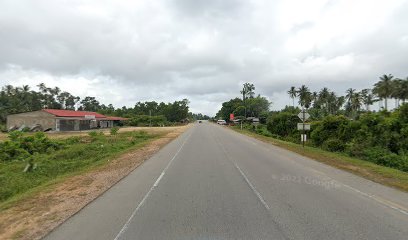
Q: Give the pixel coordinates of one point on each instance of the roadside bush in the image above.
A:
(21, 147)
(333, 145)
(114, 131)
(330, 127)
(261, 130)
(283, 124)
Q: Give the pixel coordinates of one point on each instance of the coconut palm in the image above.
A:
(400, 91)
(292, 94)
(305, 96)
(384, 88)
(367, 98)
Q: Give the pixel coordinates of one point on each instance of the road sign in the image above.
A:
(303, 115)
(303, 126)
(303, 137)
(231, 116)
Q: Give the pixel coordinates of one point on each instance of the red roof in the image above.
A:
(71, 113)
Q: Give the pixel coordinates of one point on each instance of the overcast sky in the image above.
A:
(204, 50)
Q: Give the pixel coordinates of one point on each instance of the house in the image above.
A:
(61, 120)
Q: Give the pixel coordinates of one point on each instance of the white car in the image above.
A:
(222, 122)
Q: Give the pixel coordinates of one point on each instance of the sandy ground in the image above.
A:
(34, 217)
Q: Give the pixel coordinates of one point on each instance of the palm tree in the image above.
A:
(384, 88)
(403, 91)
(292, 94)
(350, 94)
(247, 90)
(356, 101)
(367, 98)
(305, 96)
(400, 92)
(324, 96)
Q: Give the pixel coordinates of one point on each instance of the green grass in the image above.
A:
(78, 155)
(384, 175)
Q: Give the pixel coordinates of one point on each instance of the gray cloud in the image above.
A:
(128, 51)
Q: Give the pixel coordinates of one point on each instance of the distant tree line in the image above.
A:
(23, 99)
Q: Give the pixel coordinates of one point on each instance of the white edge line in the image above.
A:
(373, 197)
(150, 191)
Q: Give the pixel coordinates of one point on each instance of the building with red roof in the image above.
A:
(61, 120)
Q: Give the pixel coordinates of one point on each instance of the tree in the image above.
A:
(305, 96)
(367, 98)
(292, 94)
(324, 95)
(384, 88)
(247, 91)
(90, 104)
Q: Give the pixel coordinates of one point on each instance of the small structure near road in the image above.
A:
(61, 120)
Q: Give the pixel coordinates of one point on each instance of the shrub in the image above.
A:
(114, 131)
(333, 145)
(21, 147)
(261, 130)
(331, 127)
(283, 124)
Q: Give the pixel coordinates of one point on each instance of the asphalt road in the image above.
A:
(213, 183)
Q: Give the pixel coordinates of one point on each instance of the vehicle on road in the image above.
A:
(199, 121)
(221, 122)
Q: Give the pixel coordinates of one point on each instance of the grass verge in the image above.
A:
(79, 154)
(380, 174)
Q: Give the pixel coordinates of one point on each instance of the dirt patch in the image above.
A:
(34, 217)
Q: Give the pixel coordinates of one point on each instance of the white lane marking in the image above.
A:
(252, 187)
(150, 191)
(261, 199)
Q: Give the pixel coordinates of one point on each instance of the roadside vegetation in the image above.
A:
(341, 124)
(30, 161)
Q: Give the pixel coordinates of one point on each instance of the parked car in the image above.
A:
(221, 122)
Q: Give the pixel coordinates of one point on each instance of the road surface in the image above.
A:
(213, 183)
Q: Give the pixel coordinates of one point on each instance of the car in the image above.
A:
(221, 122)
(199, 121)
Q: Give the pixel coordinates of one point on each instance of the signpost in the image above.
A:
(305, 126)
(304, 116)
